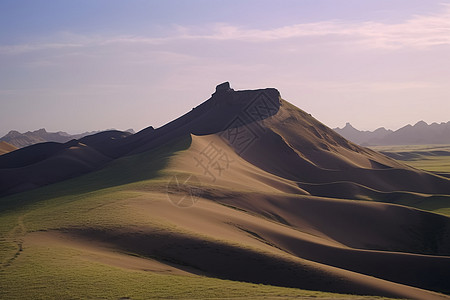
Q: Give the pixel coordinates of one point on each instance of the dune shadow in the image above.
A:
(125, 170)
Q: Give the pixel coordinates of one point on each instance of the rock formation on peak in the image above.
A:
(223, 88)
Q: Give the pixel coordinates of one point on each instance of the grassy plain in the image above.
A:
(432, 158)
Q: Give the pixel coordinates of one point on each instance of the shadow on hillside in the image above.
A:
(125, 170)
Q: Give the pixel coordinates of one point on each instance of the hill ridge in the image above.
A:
(41, 135)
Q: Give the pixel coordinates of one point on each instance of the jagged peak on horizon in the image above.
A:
(421, 123)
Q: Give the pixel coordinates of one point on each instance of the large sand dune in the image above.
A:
(259, 192)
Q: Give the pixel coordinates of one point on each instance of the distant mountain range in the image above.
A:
(419, 134)
(28, 138)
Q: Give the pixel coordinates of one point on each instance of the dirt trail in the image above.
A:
(15, 236)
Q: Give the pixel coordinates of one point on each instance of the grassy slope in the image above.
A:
(99, 200)
(61, 273)
(431, 158)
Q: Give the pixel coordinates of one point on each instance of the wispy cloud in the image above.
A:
(25, 48)
(420, 31)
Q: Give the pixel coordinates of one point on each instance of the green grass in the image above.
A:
(73, 202)
(433, 164)
(62, 273)
(431, 158)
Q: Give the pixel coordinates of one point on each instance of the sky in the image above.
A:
(89, 65)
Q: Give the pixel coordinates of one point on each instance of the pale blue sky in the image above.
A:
(88, 65)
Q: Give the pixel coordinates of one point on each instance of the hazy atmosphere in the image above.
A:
(90, 65)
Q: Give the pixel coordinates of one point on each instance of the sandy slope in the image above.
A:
(331, 229)
(309, 152)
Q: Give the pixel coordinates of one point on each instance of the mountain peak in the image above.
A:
(348, 125)
(421, 123)
(347, 128)
(41, 131)
(12, 133)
